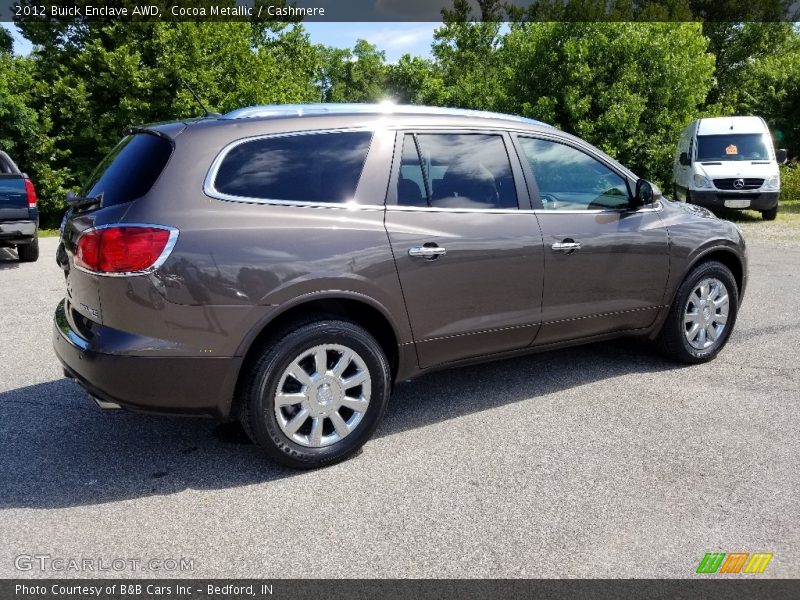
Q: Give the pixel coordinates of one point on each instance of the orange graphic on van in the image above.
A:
(731, 149)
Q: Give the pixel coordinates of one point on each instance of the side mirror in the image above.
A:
(781, 155)
(684, 159)
(644, 194)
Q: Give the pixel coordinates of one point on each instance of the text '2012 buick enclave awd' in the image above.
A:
(285, 265)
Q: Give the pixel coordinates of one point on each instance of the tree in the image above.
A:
(466, 52)
(90, 80)
(353, 76)
(415, 80)
(6, 41)
(26, 135)
(628, 88)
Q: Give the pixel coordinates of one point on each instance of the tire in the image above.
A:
(28, 252)
(771, 214)
(320, 395)
(688, 197)
(672, 340)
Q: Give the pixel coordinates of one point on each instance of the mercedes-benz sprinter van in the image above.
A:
(729, 162)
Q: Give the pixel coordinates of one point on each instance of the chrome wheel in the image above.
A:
(706, 314)
(322, 395)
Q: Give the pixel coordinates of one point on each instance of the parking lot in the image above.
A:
(598, 461)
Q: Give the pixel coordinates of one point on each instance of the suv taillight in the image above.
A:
(31, 192)
(124, 248)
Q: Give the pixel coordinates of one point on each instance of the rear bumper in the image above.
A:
(162, 384)
(17, 232)
(717, 198)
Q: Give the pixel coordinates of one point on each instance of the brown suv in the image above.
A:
(287, 264)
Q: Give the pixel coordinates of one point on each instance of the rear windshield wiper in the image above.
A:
(76, 201)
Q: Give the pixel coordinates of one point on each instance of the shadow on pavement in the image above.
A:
(59, 450)
(8, 259)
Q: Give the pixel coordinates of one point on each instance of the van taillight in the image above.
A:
(31, 192)
(123, 249)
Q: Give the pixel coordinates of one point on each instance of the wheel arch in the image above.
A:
(721, 254)
(353, 306)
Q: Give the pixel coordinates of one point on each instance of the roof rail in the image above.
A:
(299, 110)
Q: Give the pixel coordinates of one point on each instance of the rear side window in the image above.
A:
(321, 167)
(130, 169)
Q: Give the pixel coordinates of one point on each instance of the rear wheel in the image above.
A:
(771, 214)
(29, 252)
(702, 316)
(316, 393)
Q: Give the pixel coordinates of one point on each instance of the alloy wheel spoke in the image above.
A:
(284, 399)
(321, 362)
(355, 404)
(721, 301)
(338, 424)
(355, 380)
(690, 317)
(299, 373)
(344, 361)
(296, 422)
(692, 333)
(316, 431)
(711, 332)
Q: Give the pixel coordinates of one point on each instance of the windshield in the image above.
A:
(742, 146)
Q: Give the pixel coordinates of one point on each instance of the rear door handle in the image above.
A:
(566, 246)
(426, 251)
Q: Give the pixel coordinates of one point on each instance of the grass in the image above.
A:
(48, 233)
(785, 230)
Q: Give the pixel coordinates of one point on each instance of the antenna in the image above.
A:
(197, 99)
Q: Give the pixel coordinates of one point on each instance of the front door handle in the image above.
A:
(567, 245)
(426, 252)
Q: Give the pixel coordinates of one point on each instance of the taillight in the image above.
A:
(123, 249)
(31, 192)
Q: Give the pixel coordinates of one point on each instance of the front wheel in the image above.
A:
(702, 316)
(316, 393)
(771, 214)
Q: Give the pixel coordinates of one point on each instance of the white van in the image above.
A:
(731, 162)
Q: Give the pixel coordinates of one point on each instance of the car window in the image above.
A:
(322, 167)
(129, 170)
(455, 171)
(570, 179)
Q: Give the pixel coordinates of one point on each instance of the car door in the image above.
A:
(470, 263)
(606, 264)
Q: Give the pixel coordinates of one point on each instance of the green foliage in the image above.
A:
(790, 182)
(353, 76)
(415, 80)
(628, 88)
(91, 81)
(6, 41)
(25, 132)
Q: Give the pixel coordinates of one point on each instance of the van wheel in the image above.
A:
(702, 316)
(771, 214)
(315, 393)
(28, 252)
(688, 197)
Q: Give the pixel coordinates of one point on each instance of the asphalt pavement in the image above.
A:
(598, 461)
